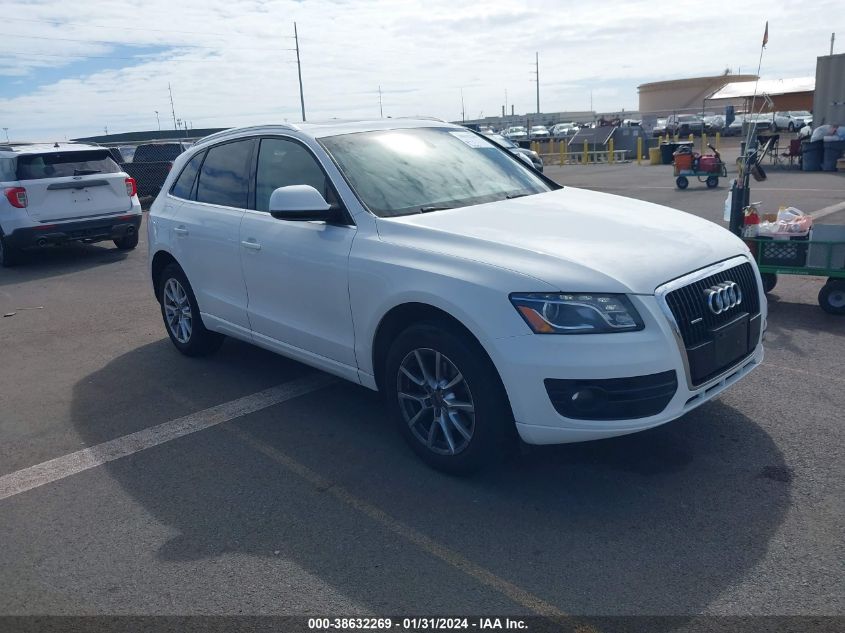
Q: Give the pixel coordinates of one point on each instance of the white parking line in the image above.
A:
(834, 208)
(55, 469)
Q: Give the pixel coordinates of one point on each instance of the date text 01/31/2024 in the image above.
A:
(415, 624)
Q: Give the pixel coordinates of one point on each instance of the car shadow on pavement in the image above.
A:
(662, 521)
(54, 261)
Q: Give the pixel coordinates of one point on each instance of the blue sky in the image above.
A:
(70, 70)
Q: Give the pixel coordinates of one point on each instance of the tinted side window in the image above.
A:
(224, 177)
(185, 183)
(282, 163)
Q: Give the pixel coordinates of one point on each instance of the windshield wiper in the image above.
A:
(433, 208)
(86, 172)
(511, 196)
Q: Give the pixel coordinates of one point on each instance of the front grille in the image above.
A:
(716, 342)
(689, 306)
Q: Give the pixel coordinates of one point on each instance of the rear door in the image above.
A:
(72, 184)
(206, 230)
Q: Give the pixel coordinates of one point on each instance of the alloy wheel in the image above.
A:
(177, 311)
(435, 401)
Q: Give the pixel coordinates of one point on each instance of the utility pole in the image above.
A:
(158, 120)
(380, 109)
(832, 38)
(506, 100)
(299, 70)
(537, 78)
(106, 130)
(172, 109)
(6, 130)
(463, 110)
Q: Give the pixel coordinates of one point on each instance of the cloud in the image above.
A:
(227, 64)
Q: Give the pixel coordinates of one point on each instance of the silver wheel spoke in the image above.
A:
(453, 417)
(446, 432)
(457, 379)
(431, 430)
(410, 396)
(411, 377)
(420, 362)
(414, 419)
(437, 367)
(460, 406)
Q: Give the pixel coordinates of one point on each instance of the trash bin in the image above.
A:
(832, 153)
(654, 155)
(811, 155)
(667, 150)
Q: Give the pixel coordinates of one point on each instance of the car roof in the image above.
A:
(20, 149)
(333, 127)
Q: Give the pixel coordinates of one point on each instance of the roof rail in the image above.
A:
(238, 130)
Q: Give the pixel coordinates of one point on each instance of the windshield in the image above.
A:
(399, 172)
(503, 141)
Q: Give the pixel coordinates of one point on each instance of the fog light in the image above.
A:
(587, 399)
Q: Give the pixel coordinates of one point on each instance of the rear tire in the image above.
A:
(832, 297)
(181, 315)
(8, 254)
(682, 182)
(453, 410)
(712, 182)
(127, 243)
(791, 127)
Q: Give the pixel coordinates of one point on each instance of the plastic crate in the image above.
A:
(791, 252)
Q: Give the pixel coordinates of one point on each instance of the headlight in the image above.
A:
(584, 313)
(535, 154)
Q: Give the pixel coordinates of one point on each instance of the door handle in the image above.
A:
(251, 244)
(180, 230)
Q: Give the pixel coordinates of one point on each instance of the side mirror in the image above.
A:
(526, 160)
(299, 203)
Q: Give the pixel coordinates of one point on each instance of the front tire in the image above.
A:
(791, 127)
(712, 182)
(446, 396)
(682, 182)
(181, 315)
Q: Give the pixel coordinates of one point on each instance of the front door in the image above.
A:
(296, 272)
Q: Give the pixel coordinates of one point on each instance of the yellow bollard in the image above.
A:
(718, 141)
(562, 150)
(586, 158)
(610, 151)
(639, 150)
(703, 141)
(691, 138)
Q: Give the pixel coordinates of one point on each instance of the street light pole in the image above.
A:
(6, 130)
(158, 120)
(299, 71)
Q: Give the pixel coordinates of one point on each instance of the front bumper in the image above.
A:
(525, 363)
(95, 230)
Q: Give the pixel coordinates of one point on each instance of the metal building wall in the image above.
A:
(829, 101)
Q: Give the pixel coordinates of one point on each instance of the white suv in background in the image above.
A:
(64, 192)
(485, 301)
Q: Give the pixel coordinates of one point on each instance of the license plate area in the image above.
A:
(728, 343)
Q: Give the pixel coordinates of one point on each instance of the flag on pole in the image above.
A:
(766, 34)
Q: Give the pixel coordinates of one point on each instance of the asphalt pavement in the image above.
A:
(312, 505)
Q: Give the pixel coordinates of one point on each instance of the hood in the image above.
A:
(573, 239)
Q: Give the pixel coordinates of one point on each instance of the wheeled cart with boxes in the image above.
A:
(706, 167)
(820, 254)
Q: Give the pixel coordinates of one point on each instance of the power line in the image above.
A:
(145, 57)
(69, 39)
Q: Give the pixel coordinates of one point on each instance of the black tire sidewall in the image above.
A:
(494, 431)
(202, 341)
(824, 297)
(770, 280)
(9, 254)
(127, 243)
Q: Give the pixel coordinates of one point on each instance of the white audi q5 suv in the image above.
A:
(485, 301)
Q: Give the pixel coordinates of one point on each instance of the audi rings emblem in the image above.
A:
(722, 297)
